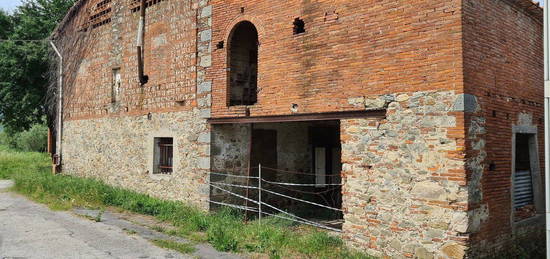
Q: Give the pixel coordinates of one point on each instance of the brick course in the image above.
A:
(459, 74)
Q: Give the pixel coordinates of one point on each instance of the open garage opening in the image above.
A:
(300, 168)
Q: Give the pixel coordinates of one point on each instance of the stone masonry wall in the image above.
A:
(405, 192)
(119, 151)
(454, 76)
(113, 141)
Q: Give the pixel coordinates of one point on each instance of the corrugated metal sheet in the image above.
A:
(523, 189)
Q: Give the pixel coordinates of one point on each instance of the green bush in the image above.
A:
(33, 140)
(8, 140)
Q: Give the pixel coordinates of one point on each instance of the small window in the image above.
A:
(163, 162)
(116, 86)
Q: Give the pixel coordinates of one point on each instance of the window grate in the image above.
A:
(164, 156)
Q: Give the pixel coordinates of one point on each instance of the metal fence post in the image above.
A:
(260, 193)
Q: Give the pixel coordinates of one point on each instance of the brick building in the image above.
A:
(428, 112)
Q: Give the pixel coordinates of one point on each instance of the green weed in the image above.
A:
(225, 230)
(176, 246)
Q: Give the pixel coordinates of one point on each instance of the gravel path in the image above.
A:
(30, 230)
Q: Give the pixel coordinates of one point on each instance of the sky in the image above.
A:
(9, 5)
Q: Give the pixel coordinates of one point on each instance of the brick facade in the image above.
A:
(431, 179)
(503, 50)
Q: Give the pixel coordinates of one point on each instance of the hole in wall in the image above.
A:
(242, 9)
(494, 113)
(492, 166)
(299, 26)
(294, 107)
(220, 45)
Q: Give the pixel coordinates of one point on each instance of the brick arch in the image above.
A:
(245, 18)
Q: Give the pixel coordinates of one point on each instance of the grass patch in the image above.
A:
(176, 246)
(225, 230)
(130, 231)
(158, 229)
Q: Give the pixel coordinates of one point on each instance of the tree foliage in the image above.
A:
(24, 61)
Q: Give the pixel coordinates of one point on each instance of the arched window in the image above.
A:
(243, 64)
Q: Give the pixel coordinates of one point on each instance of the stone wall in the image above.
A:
(416, 183)
(405, 190)
(113, 140)
(119, 151)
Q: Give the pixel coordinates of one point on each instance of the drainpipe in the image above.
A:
(57, 156)
(140, 43)
(547, 124)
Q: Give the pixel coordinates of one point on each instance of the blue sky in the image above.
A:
(9, 5)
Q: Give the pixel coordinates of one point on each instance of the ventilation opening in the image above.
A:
(136, 4)
(103, 3)
(524, 204)
(299, 26)
(243, 64)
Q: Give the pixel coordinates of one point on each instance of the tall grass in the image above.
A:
(225, 230)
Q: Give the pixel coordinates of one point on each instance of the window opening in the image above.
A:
(163, 163)
(243, 63)
(116, 86)
(524, 204)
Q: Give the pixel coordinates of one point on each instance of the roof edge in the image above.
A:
(530, 7)
(70, 14)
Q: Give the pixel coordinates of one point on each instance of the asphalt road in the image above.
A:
(30, 230)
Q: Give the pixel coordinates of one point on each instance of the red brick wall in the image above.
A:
(503, 67)
(350, 49)
(170, 60)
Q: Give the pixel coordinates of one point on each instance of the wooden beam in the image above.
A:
(378, 114)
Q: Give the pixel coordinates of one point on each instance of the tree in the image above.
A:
(24, 61)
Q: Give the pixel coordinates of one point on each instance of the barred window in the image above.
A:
(163, 161)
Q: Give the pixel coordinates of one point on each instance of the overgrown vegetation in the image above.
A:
(24, 61)
(225, 230)
(33, 140)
